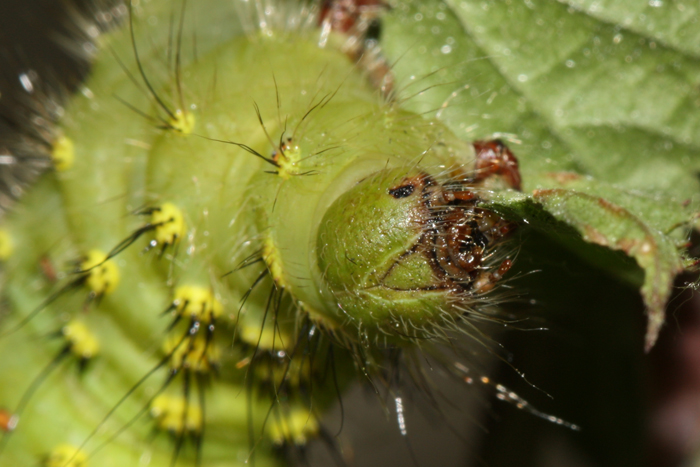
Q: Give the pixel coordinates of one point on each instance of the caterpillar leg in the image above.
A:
(494, 158)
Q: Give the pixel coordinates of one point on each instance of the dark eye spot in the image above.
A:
(374, 31)
(402, 191)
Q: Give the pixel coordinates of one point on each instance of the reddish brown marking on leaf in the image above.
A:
(564, 177)
(616, 209)
(628, 244)
(645, 249)
(595, 236)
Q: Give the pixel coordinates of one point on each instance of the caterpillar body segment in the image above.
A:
(307, 227)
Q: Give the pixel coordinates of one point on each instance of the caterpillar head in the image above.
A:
(404, 251)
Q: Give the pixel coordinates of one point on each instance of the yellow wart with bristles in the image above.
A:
(82, 343)
(289, 159)
(66, 455)
(102, 274)
(176, 415)
(197, 303)
(297, 427)
(184, 122)
(169, 224)
(63, 153)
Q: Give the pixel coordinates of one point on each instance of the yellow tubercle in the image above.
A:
(183, 122)
(196, 353)
(63, 153)
(197, 303)
(169, 412)
(7, 246)
(65, 455)
(82, 342)
(296, 426)
(169, 223)
(288, 159)
(271, 257)
(103, 274)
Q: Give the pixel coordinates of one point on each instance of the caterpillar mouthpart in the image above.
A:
(400, 250)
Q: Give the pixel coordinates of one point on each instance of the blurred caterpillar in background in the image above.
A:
(253, 219)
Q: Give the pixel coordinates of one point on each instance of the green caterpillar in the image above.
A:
(297, 212)
(275, 188)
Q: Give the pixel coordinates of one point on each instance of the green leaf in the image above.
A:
(600, 102)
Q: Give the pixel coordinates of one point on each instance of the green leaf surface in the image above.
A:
(600, 102)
